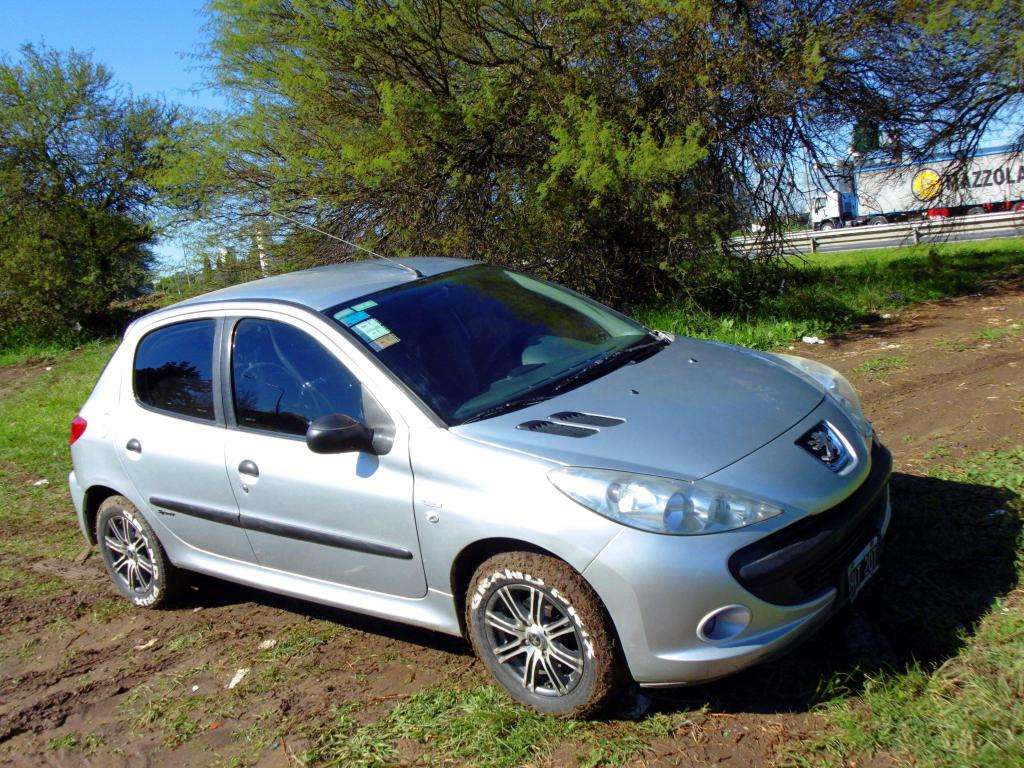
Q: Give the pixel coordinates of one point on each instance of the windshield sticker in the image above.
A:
(364, 306)
(353, 318)
(384, 342)
(344, 313)
(371, 330)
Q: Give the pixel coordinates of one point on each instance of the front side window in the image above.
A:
(481, 338)
(282, 379)
(174, 369)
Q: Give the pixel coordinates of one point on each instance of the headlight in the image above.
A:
(836, 386)
(660, 504)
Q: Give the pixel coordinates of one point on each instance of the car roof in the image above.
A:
(322, 287)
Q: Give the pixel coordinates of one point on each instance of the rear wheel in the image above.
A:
(544, 635)
(975, 211)
(878, 220)
(134, 558)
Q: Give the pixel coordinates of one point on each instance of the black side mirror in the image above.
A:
(338, 433)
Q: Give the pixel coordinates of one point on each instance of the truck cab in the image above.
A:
(831, 209)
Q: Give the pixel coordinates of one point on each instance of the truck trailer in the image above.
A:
(882, 193)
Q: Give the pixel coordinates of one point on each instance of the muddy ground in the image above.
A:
(84, 680)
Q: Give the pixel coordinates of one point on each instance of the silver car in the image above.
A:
(449, 444)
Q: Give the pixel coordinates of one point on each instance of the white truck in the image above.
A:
(873, 193)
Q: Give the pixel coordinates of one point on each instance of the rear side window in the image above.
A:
(282, 379)
(174, 369)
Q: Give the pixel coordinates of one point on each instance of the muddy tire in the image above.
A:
(133, 556)
(544, 635)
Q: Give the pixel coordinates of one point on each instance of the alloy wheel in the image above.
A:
(131, 556)
(533, 634)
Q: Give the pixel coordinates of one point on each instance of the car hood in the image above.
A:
(687, 411)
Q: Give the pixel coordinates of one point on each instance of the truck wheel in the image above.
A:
(827, 225)
(877, 220)
(544, 635)
(977, 210)
(134, 558)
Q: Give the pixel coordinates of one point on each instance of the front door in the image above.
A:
(344, 518)
(171, 438)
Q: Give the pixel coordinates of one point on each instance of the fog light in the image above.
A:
(723, 623)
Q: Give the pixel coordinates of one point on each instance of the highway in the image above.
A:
(963, 228)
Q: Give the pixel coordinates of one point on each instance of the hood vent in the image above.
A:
(588, 419)
(551, 428)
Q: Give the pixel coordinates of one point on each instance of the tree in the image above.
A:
(77, 159)
(611, 144)
(990, 35)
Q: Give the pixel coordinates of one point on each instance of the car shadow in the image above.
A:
(212, 592)
(950, 552)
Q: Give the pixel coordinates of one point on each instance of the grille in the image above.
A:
(804, 560)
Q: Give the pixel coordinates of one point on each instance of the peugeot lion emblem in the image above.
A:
(825, 443)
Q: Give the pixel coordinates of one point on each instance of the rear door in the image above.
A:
(171, 436)
(344, 518)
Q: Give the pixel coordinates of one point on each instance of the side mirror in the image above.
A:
(337, 433)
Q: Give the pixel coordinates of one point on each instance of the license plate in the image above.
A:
(862, 569)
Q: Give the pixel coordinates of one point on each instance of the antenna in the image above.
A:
(392, 262)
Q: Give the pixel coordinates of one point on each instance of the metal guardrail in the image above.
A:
(979, 227)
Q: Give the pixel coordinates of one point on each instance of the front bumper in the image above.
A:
(659, 588)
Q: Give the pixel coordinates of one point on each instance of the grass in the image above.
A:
(87, 743)
(168, 706)
(879, 367)
(33, 448)
(481, 727)
(830, 294)
(964, 704)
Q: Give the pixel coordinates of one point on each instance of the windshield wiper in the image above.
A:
(548, 390)
(510, 405)
(627, 354)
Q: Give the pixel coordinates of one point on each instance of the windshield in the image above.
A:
(473, 340)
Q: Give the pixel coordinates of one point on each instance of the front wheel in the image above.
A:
(133, 557)
(544, 635)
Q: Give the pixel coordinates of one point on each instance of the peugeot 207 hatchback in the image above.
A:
(460, 447)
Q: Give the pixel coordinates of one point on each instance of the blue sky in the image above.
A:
(147, 45)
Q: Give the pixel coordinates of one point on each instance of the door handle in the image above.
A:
(248, 467)
(134, 446)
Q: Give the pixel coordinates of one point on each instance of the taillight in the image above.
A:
(78, 425)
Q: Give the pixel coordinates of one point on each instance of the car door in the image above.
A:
(345, 518)
(171, 436)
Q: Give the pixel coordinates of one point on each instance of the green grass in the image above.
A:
(21, 351)
(33, 447)
(480, 727)
(880, 367)
(167, 705)
(829, 294)
(963, 705)
(87, 743)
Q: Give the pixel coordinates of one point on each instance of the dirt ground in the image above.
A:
(86, 681)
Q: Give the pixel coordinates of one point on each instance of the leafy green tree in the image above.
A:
(610, 144)
(77, 160)
(990, 35)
